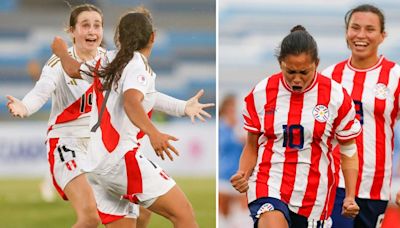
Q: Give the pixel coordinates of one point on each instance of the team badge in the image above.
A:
(264, 208)
(142, 79)
(321, 113)
(71, 165)
(381, 91)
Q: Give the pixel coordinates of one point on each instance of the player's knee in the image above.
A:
(89, 217)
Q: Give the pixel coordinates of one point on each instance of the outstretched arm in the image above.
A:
(70, 65)
(175, 107)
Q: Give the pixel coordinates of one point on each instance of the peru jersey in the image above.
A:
(112, 133)
(375, 92)
(297, 133)
(71, 99)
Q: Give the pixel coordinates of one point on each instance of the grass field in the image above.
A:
(22, 206)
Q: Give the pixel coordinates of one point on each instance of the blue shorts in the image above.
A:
(261, 205)
(371, 213)
(294, 220)
(340, 221)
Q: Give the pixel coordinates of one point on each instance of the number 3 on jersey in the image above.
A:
(293, 136)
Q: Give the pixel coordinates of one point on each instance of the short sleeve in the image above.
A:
(136, 77)
(251, 119)
(348, 127)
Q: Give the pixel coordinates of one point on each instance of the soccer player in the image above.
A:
(373, 83)
(124, 95)
(68, 131)
(230, 147)
(69, 118)
(294, 118)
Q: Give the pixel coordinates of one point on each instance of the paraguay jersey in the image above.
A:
(112, 133)
(375, 92)
(297, 133)
(71, 99)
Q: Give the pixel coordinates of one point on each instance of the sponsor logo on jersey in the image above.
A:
(265, 208)
(142, 79)
(381, 91)
(321, 113)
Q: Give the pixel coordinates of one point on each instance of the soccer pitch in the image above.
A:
(22, 206)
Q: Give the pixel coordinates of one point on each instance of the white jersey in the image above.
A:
(375, 92)
(112, 133)
(71, 99)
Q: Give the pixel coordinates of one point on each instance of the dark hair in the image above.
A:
(132, 34)
(297, 42)
(366, 8)
(75, 11)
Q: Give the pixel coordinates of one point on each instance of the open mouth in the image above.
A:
(360, 44)
(92, 41)
(297, 88)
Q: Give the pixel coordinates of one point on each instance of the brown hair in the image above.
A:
(132, 34)
(366, 8)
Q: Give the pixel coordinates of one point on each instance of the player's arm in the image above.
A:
(175, 107)
(398, 198)
(70, 65)
(38, 96)
(349, 165)
(133, 107)
(247, 162)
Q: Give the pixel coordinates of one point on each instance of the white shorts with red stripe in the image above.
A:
(134, 179)
(66, 157)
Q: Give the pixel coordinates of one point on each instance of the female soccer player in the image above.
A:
(71, 105)
(293, 119)
(68, 131)
(373, 83)
(124, 95)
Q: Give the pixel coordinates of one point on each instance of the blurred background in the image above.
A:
(183, 58)
(249, 34)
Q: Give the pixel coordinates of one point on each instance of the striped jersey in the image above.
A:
(71, 99)
(112, 133)
(297, 133)
(375, 92)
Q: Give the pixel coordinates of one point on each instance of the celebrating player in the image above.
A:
(124, 96)
(293, 119)
(373, 83)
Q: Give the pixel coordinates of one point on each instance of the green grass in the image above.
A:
(21, 205)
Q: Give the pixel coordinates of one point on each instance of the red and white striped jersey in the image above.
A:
(71, 99)
(375, 92)
(112, 133)
(298, 131)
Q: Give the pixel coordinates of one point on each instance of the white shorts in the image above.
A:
(133, 179)
(65, 156)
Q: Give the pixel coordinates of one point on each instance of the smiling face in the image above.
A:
(364, 36)
(88, 31)
(298, 71)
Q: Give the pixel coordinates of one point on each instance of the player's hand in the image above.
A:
(59, 46)
(398, 198)
(239, 182)
(16, 107)
(194, 108)
(160, 143)
(350, 207)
